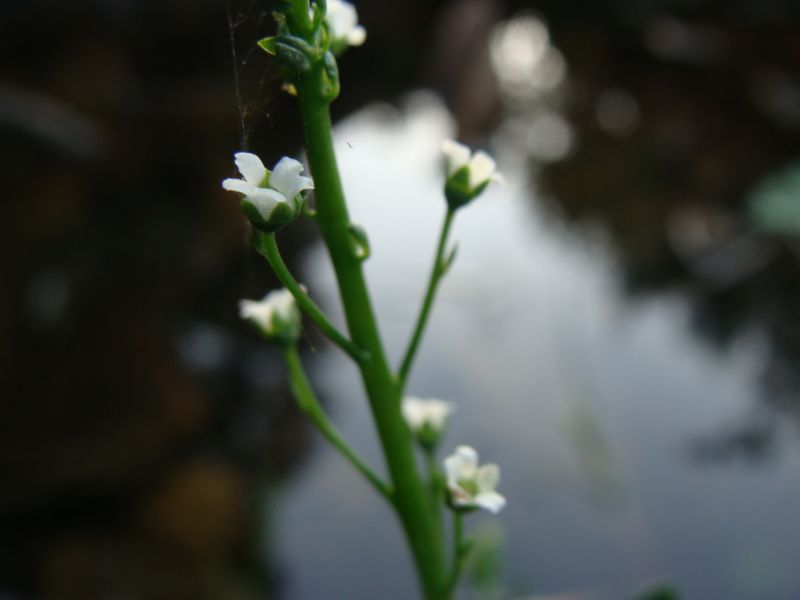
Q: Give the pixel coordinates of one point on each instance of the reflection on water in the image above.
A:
(587, 399)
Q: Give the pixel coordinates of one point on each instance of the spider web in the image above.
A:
(248, 22)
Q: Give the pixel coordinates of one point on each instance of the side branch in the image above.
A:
(461, 549)
(440, 266)
(267, 246)
(308, 403)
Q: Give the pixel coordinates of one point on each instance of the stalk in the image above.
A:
(437, 272)
(384, 394)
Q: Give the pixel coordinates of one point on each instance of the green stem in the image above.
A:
(410, 498)
(297, 11)
(437, 272)
(267, 245)
(435, 487)
(307, 401)
(460, 551)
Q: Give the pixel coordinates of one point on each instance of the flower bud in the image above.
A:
(270, 199)
(277, 316)
(426, 418)
(343, 28)
(467, 174)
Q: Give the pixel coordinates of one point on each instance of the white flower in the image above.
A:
(266, 190)
(276, 315)
(481, 168)
(420, 413)
(472, 486)
(342, 20)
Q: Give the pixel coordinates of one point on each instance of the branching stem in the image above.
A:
(437, 272)
(460, 551)
(308, 403)
(267, 245)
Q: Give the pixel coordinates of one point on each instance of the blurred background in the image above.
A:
(620, 332)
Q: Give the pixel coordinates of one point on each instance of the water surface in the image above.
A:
(590, 401)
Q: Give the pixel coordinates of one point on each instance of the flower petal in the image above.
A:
(481, 168)
(437, 412)
(491, 501)
(469, 460)
(452, 471)
(413, 412)
(342, 20)
(238, 185)
(460, 465)
(488, 477)
(418, 412)
(259, 312)
(265, 200)
(456, 155)
(251, 168)
(300, 184)
(282, 302)
(287, 180)
(358, 35)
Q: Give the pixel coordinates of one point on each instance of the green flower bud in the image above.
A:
(426, 418)
(467, 174)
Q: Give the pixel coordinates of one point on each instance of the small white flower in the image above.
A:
(265, 190)
(276, 315)
(481, 167)
(472, 486)
(420, 413)
(342, 20)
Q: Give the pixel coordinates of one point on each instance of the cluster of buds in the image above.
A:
(309, 42)
(469, 486)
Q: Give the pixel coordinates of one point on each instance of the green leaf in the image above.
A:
(360, 241)
(448, 260)
(295, 56)
(331, 78)
(268, 45)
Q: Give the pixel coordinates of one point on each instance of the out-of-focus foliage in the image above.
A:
(658, 592)
(775, 203)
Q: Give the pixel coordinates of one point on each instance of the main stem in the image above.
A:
(410, 498)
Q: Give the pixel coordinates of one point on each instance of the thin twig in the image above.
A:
(266, 244)
(437, 272)
(308, 403)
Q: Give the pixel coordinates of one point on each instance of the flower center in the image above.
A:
(468, 485)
